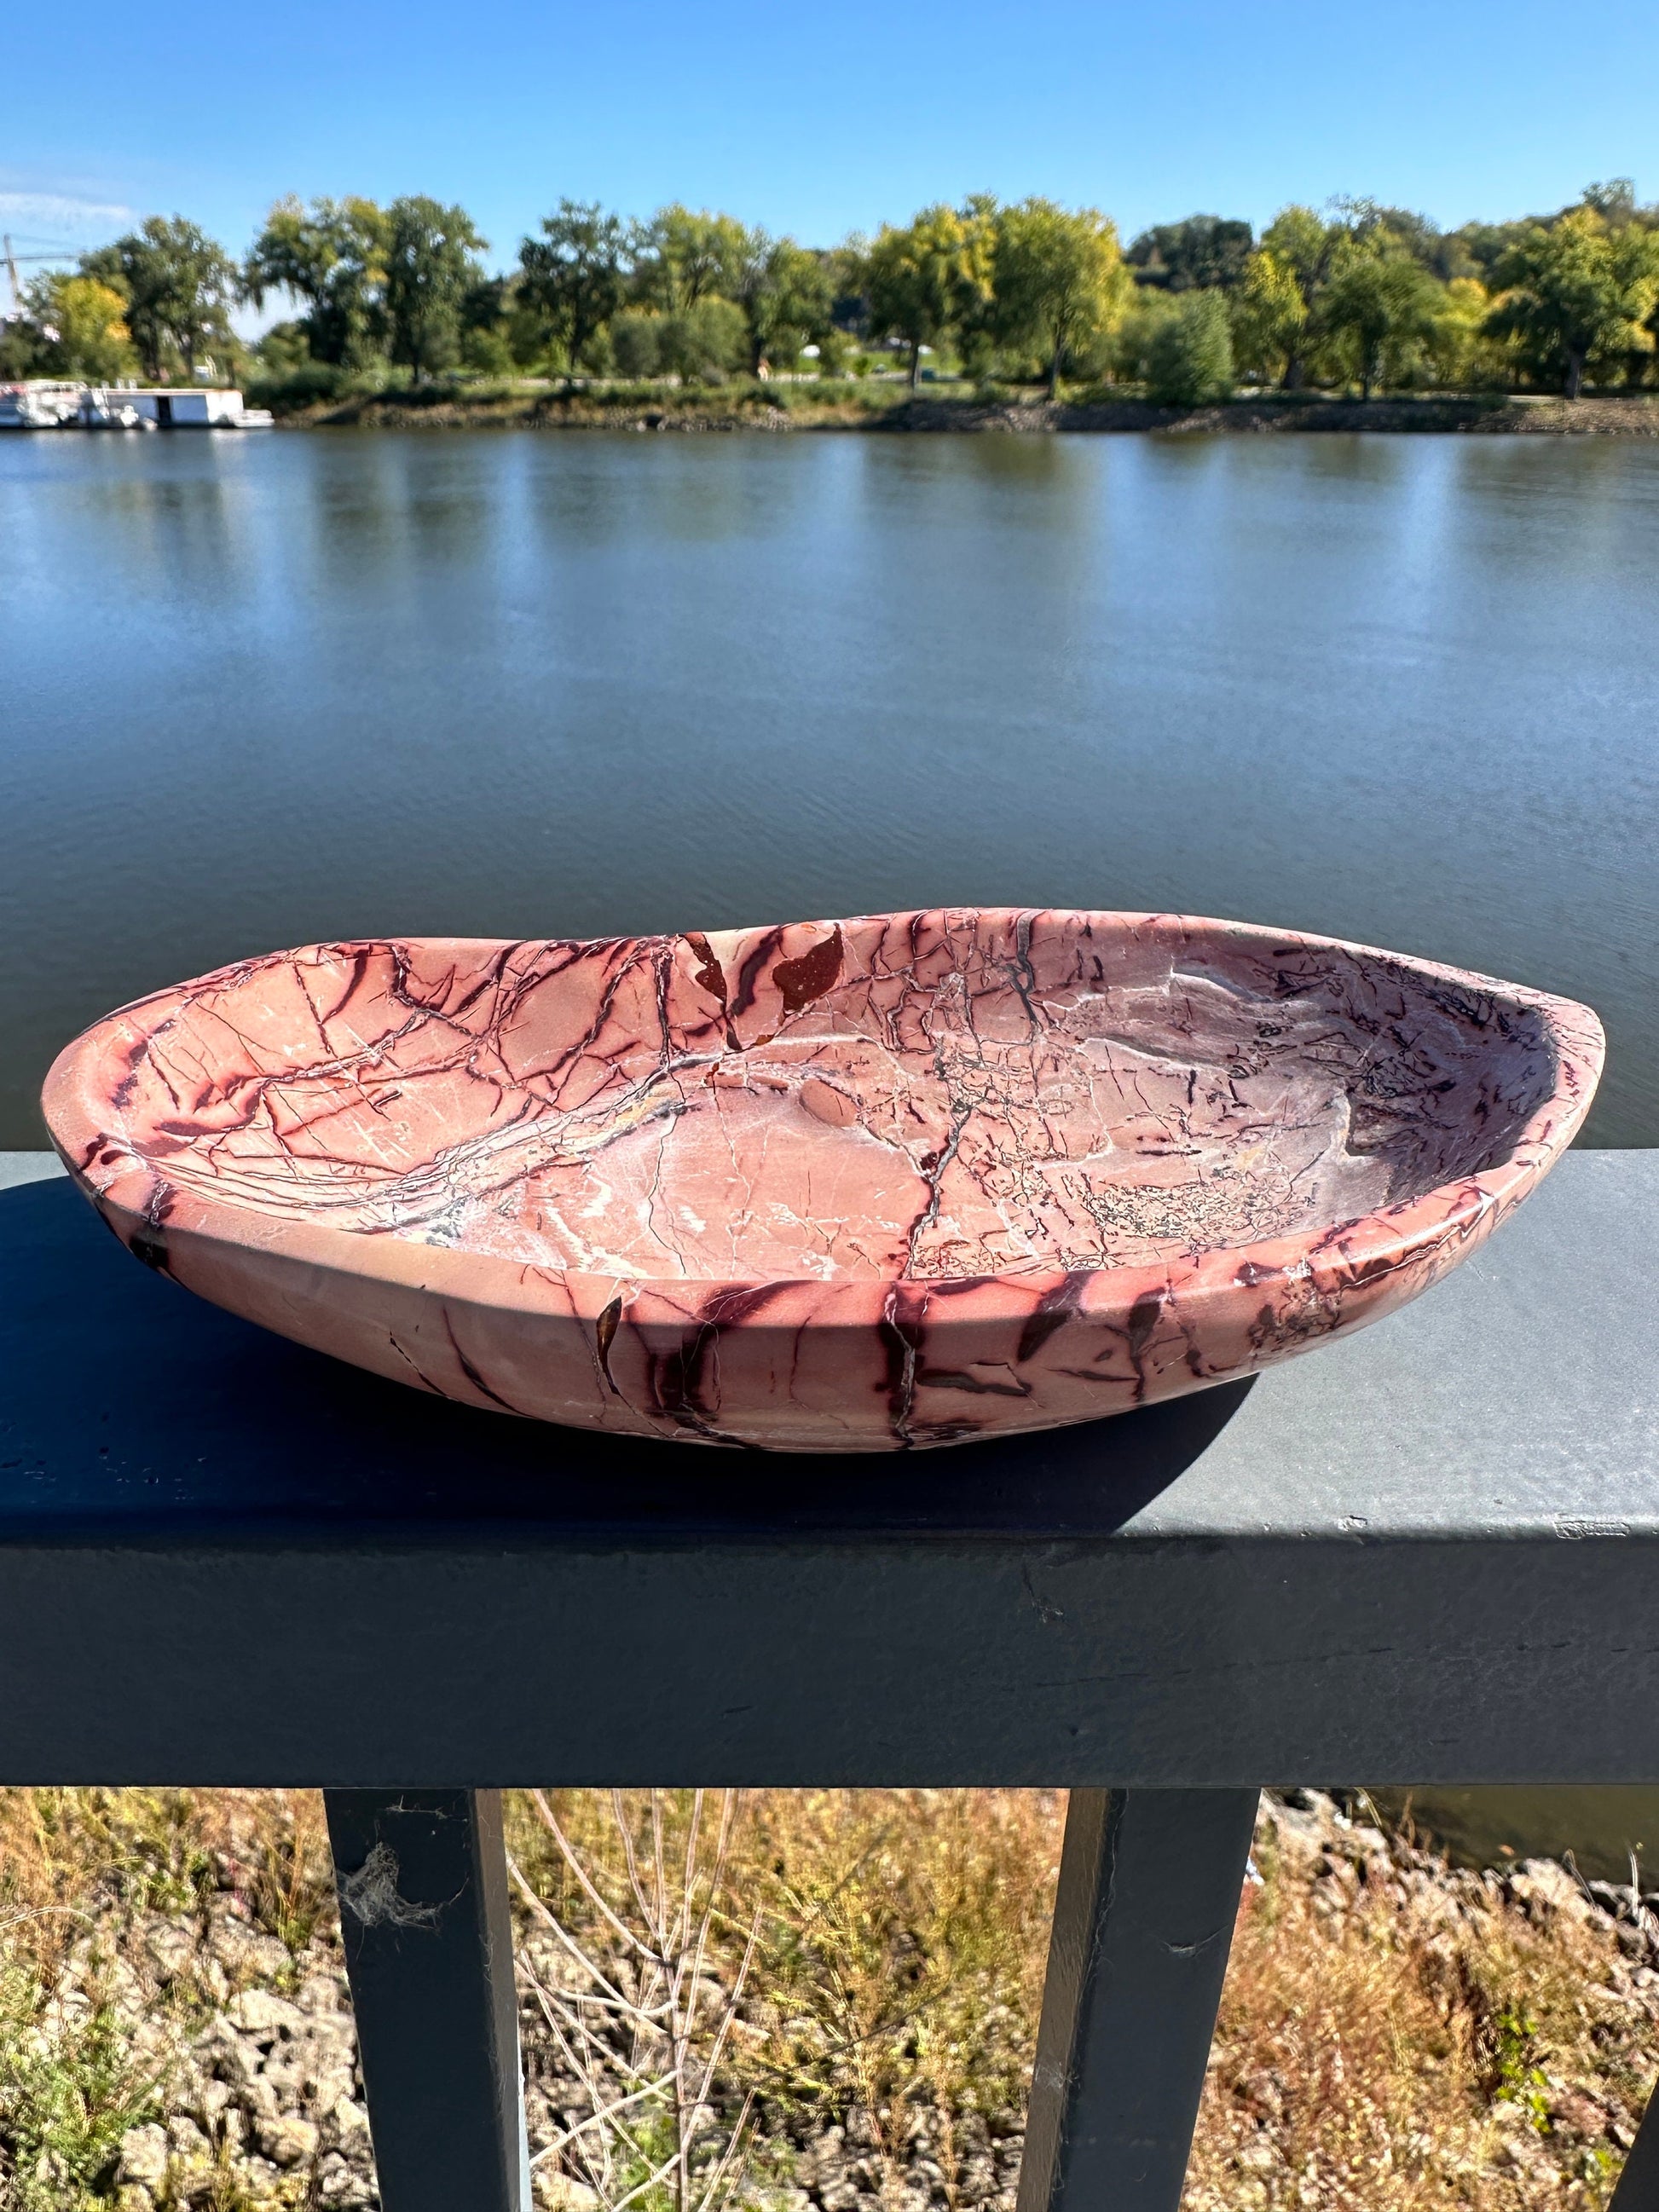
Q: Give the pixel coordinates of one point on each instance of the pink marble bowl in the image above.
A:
(853, 1186)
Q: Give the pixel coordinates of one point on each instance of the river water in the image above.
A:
(258, 691)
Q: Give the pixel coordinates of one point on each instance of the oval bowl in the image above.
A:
(853, 1186)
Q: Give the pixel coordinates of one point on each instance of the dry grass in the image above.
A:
(902, 1937)
(64, 1853)
(1393, 2036)
(75, 1864)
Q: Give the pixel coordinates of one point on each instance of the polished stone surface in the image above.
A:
(856, 1186)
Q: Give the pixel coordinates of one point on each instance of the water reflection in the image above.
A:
(1604, 1829)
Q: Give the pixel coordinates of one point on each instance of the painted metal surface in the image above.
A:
(1425, 1555)
(1638, 2184)
(422, 1876)
(1148, 1889)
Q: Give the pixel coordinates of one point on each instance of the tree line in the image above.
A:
(1359, 294)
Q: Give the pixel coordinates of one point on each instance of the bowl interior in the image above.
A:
(917, 1095)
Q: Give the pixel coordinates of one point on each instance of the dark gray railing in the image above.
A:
(1428, 1555)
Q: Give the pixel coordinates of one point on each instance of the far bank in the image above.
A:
(777, 406)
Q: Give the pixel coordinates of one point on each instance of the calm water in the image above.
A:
(1402, 689)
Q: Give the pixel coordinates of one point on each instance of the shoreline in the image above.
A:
(756, 408)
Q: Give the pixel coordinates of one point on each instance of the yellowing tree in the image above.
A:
(1304, 247)
(925, 279)
(687, 254)
(1578, 290)
(1459, 352)
(178, 285)
(83, 326)
(1270, 317)
(1062, 284)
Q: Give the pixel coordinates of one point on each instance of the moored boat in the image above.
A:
(44, 405)
(39, 405)
(104, 409)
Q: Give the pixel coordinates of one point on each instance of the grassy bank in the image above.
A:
(1395, 2035)
(845, 404)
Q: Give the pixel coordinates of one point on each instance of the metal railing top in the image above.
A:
(1427, 1553)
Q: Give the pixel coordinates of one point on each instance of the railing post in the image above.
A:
(1149, 1890)
(422, 1876)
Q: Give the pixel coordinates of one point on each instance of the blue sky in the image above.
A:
(817, 120)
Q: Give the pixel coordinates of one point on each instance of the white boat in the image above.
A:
(39, 405)
(103, 409)
(189, 407)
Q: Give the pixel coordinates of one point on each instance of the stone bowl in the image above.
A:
(856, 1186)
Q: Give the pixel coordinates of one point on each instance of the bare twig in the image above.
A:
(665, 2038)
(550, 1922)
(618, 1927)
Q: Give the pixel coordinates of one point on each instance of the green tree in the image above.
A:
(487, 326)
(1062, 284)
(925, 279)
(283, 351)
(1129, 354)
(1270, 317)
(179, 286)
(1189, 361)
(20, 349)
(848, 266)
(636, 343)
(1614, 201)
(789, 294)
(333, 256)
(1369, 220)
(1476, 249)
(1203, 252)
(576, 274)
(429, 272)
(77, 328)
(705, 342)
(1576, 292)
(1379, 305)
(687, 254)
(1303, 246)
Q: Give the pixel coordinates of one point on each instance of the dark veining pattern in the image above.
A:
(909, 1127)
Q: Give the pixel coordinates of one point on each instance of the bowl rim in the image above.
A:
(149, 1213)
